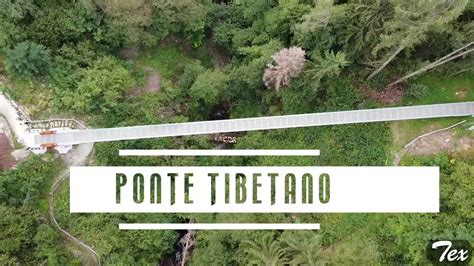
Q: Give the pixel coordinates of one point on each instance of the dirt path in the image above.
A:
(445, 141)
(153, 83)
(441, 140)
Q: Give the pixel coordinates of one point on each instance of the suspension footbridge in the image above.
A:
(62, 134)
(73, 137)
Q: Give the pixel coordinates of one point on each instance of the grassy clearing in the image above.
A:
(406, 131)
(444, 89)
(441, 90)
(169, 60)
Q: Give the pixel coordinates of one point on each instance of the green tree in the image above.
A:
(17, 227)
(17, 10)
(47, 247)
(206, 90)
(184, 16)
(12, 14)
(328, 65)
(365, 27)
(325, 27)
(456, 189)
(75, 56)
(27, 59)
(208, 85)
(340, 95)
(190, 73)
(98, 88)
(117, 246)
(404, 236)
(411, 23)
(266, 251)
(246, 84)
(8, 260)
(357, 249)
(126, 21)
(280, 20)
(58, 23)
(304, 247)
(318, 17)
(214, 248)
(19, 187)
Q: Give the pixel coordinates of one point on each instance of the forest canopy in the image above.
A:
(116, 63)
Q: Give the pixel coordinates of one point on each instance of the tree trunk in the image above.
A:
(386, 62)
(439, 62)
(186, 243)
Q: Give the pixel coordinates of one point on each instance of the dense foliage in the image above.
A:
(27, 59)
(132, 62)
(26, 236)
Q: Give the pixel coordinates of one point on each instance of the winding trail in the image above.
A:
(77, 157)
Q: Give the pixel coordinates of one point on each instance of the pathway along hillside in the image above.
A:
(77, 157)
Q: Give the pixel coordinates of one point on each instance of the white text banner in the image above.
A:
(254, 189)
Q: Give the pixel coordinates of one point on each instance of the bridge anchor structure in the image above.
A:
(24, 127)
(51, 127)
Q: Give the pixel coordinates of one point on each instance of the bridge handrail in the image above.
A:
(79, 123)
(21, 111)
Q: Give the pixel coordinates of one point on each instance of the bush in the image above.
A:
(98, 88)
(190, 73)
(417, 90)
(74, 56)
(27, 59)
(205, 92)
(223, 34)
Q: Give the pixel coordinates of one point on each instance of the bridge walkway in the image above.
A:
(258, 123)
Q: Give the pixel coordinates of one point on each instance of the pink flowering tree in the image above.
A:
(289, 62)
